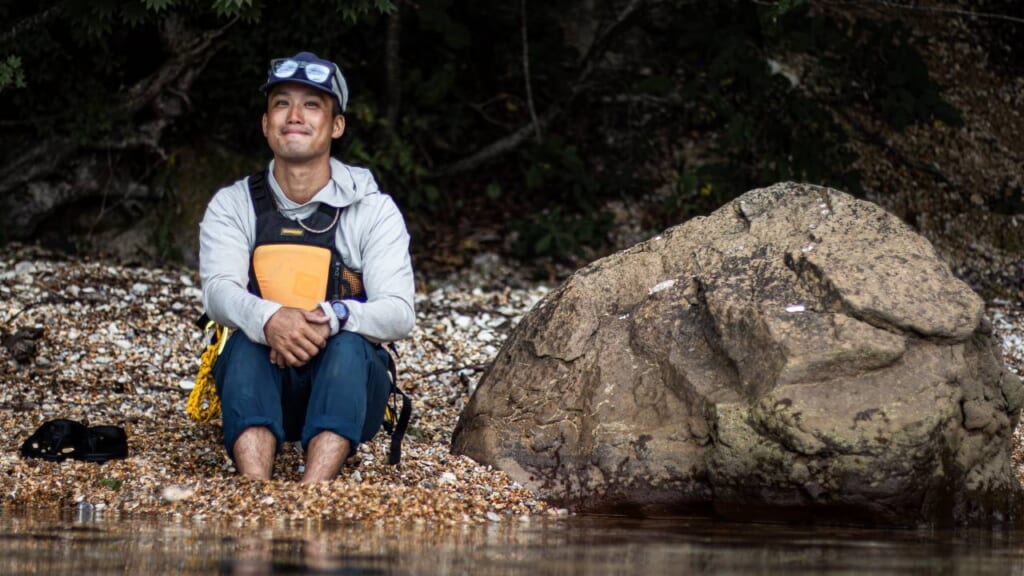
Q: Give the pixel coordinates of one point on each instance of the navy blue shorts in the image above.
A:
(342, 389)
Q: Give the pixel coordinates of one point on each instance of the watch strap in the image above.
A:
(332, 319)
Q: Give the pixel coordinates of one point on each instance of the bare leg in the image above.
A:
(254, 452)
(327, 452)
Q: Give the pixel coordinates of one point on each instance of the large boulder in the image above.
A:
(798, 354)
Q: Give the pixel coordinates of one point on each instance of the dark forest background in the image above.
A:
(549, 132)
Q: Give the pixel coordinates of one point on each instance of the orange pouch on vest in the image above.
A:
(292, 274)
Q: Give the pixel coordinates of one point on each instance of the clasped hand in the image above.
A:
(295, 335)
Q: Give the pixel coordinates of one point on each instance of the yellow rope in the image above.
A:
(203, 403)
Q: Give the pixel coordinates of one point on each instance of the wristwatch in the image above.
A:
(341, 311)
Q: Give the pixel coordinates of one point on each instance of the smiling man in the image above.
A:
(308, 261)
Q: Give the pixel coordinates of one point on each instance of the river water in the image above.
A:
(77, 543)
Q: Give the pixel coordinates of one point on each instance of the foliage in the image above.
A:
(876, 63)
(764, 92)
(570, 220)
(703, 99)
(11, 74)
(185, 184)
(111, 483)
(79, 53)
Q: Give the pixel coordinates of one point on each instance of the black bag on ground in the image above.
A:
(60, 439)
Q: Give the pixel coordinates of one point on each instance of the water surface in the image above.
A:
(77, 543)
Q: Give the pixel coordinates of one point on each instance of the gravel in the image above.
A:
(106, 344)
(103, 344)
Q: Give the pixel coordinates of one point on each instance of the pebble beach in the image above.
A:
(105, 344)
(109, 345)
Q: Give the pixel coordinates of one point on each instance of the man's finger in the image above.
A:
(293, 359)
(310, 345)
(315, 317)
(315, 336)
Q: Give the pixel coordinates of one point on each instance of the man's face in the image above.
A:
(298, 124)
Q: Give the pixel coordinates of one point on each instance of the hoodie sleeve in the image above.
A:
(389, 313)
(225, 240)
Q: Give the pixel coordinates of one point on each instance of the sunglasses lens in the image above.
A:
(285, 68)
(317, 72)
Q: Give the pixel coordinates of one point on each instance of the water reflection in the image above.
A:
(82, 542)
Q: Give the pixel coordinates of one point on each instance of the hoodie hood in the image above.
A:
(348, 185)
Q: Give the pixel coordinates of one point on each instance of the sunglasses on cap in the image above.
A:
(287, 67)
(307, 68)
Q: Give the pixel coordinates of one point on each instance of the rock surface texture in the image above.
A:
(798, 354)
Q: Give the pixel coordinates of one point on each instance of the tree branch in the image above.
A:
(600, 45)
(526, 71)
(190, 54)
(35, 162)
(951, 11)
(394, 66)
(30, 22)
(498, 147)
(585, 67)
(439, 371)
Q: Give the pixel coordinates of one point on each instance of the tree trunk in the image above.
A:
(60, 172)
(394, 67)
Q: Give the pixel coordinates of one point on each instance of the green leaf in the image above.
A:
(432, 193)
(543, 244)
(493, 191)
(11, 73)
(656, 85)
(111, 483)
(783, 7)
(158, 5)
(438, 86)
(229, 7)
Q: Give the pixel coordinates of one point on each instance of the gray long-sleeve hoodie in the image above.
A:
(371, 237)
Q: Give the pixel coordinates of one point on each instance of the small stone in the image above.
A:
(176, 493)
(84, 511)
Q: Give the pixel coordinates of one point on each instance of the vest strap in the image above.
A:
(259, 191)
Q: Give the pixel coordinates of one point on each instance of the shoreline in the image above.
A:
(119, 347)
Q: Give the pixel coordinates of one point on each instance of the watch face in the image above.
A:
(340, 310)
